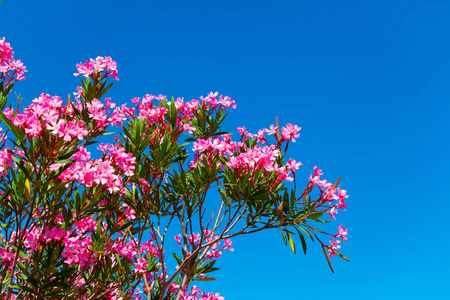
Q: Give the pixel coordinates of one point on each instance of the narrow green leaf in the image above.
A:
(315, 215)
(291, 243)
(328, 259)
(179, 261)
(284, 238)
(27, 289)
(307, 233)
(205, 279)
(340, 255)
(302, 238)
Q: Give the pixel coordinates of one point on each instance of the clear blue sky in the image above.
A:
(368, 82)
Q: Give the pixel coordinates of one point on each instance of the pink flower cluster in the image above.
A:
(5, 160)
(94, 68)
(212, 101)
(10, 69)
(102, 117)
(149, 112)
(47, 113)
(35, 238)
(256, 159)
(342, 233)
(288, 133)
(118, 156)
(328, 194)
(154, 115)
(212, 147)
(78, 247)
(243, 159)
(196, 294)
(106, 171)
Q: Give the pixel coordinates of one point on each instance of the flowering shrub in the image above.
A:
(74, 226)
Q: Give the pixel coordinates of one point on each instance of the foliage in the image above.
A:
(78, 227)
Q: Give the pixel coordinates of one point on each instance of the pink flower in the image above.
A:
(56, 127)
(201, 145)
(140, 266)
(54, 233)
(6, 52)
(242, 130)
(86, 69)
(9, 112)
(173, 287)
(317, 172)
(293, 164)
(341, 204)
(32, 239)
(189, 128)
(342, 233)
(334, 245)
(272, 130)
(332, 213)
(34, 127)
(227, 244)
(130, 213)
(290, 132)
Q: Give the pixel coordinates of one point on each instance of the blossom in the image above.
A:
(333, 211)
(342, 233)
(290, 132)
(54, 233)
(32, 239)
(140, 266)
(6, 52)
(334, 245)
(293, 164)
(130, 213)
(272, 130)
(97, 66)
(10, 69)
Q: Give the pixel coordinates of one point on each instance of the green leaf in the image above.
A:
(90, 143)
(321, 221)
(302, 239)
(221, 133)
(179, 261)
(340, 255)
(65, 273)
(315, 215)
(25, 288)
(207, 268)
(5, 194)
(64, 161)
(205, 279)
(291, 242)
(22, 167)
(307, 233)
(118, 259)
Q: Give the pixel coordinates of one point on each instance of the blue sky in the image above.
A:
(368, 82)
